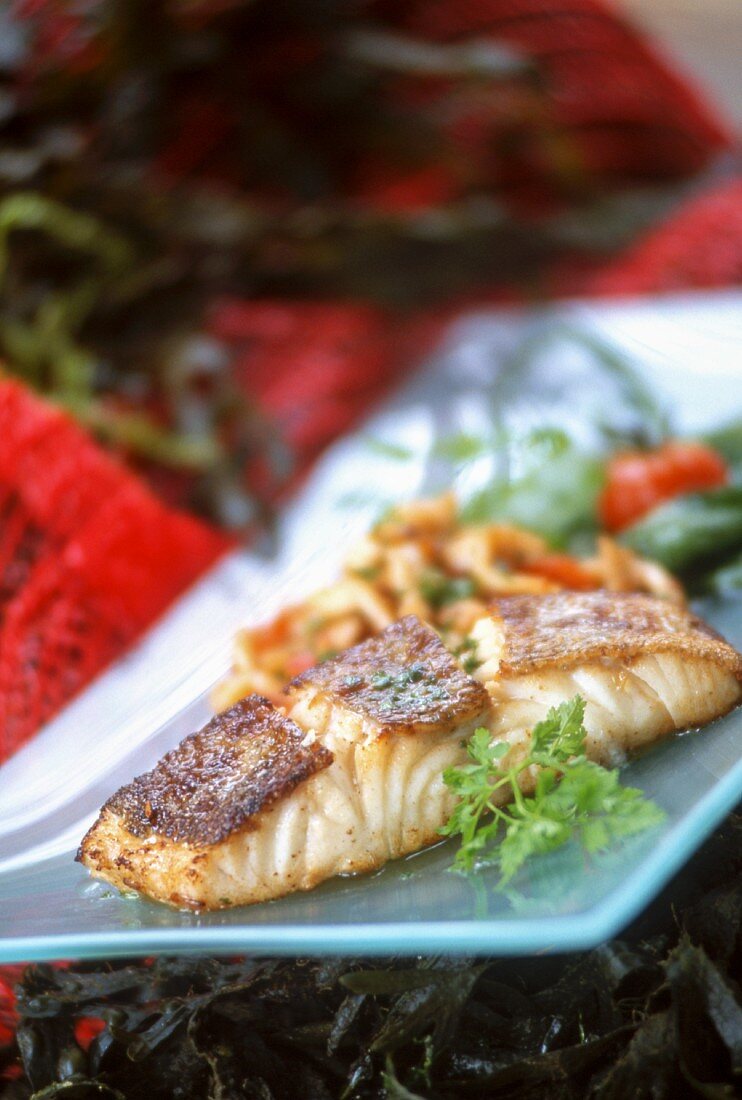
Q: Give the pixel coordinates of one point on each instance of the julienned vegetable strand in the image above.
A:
(573, 797)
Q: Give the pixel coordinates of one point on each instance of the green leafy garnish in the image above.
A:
(327, 655)
(690, 531)
(439, 589)
(573, 797)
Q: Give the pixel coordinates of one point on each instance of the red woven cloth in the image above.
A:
(698, 246)
(612, 109)
(316, 368)
(603, 105)
(88, 559)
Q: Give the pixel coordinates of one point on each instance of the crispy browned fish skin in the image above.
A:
(214, 784)
(568, 628)
(402, 681)
(644, 667)
(219, 778)
(400, 707)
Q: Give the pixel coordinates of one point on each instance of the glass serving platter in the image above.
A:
(51, 790)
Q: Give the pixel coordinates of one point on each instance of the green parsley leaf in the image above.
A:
(573, 798)
(560, 735)
(438, 589)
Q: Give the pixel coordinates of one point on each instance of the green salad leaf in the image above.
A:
(727, 580)
(689, 530)
(727, 440)
(550, 486)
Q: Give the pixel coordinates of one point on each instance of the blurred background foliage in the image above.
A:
(159, 159)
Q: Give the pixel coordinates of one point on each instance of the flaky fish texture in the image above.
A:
(367, 740)
(644, 667)
(261, 803)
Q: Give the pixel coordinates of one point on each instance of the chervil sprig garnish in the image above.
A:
(573, 797)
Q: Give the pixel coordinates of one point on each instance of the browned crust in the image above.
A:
(569, 628)
(217, 780)
(404, 680)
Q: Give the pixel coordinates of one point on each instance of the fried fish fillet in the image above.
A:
(358, 781)
(260, 803)
(644, 667)
(178, 832)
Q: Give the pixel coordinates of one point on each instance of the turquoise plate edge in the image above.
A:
(506, 937)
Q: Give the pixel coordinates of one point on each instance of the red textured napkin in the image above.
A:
(698, 246)
(88, 559)
(624, 113)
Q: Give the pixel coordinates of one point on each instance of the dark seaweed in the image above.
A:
(655, 1015)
